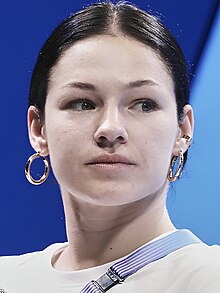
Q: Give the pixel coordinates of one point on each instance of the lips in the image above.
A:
(111, 159)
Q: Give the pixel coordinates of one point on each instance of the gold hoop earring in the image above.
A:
(28, 166)
(187, 137)
(172, 177)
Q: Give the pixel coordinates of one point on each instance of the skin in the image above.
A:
(108, 207)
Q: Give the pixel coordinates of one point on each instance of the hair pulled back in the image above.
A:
(108, 18)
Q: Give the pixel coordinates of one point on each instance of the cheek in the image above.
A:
(63, 143)
(64, 151)
(157, 142)
(65, 132)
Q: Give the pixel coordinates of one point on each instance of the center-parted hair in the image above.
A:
(107, 18)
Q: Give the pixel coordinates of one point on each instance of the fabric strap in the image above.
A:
(141, 257)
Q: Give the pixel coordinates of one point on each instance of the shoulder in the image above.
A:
(200, 264)
(17, 266)
(17, 260)
(198, 255)
(202, 254)
(20, 260)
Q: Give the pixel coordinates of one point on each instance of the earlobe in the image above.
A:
(36, 131)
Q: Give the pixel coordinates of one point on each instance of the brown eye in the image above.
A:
(145, 106)
(82, 105)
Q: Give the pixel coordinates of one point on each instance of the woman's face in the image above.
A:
(110, 95)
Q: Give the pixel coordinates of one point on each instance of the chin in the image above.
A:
(112, 196)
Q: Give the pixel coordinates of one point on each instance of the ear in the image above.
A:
(37, 131)
(186, 128)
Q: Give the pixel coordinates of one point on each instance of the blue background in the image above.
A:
(32, 216)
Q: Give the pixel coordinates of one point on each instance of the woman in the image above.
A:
(109, 104)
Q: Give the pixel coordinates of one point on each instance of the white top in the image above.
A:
(194, 268)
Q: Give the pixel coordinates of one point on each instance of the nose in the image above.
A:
(111, 129)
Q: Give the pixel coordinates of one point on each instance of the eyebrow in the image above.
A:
(91, 87)
(139, 83)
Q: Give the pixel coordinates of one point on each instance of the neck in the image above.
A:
(99, 234)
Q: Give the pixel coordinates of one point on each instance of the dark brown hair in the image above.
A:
(103, 18)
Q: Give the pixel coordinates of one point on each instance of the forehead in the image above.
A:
(110, 58)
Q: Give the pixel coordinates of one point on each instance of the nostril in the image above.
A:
(109, 136)
(122, 139)
(103, 141)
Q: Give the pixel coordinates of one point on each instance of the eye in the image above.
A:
(81, 105)
(145, 106)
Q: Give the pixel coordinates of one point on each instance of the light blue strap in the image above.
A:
(141, 257)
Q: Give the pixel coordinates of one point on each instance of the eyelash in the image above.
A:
(72, 103)
(153, 105)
